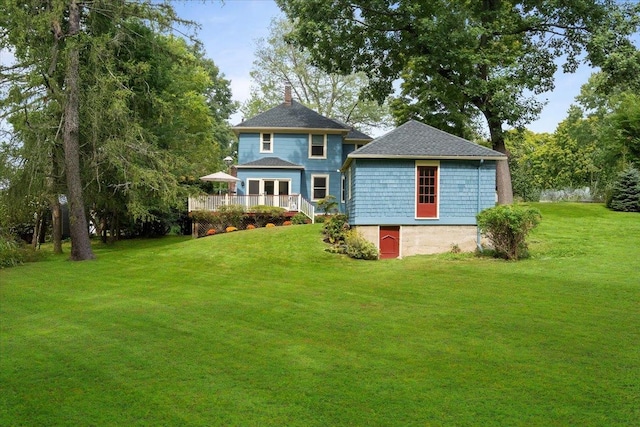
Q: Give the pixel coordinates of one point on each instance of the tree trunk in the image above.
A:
(36, 230)
(56, 224)
(503, 174)
(79, 230)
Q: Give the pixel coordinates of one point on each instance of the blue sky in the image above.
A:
(230, 29)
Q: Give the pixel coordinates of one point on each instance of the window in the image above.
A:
(266, 143)
(318, 146)
(344, 189)
(427, 184)
(319, 186)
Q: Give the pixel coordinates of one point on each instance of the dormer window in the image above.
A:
(266, 143)
(317, 146)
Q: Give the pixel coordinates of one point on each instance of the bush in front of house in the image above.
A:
(507, 227)
(335, 228)
(358, 247)
(299, 218)
(232, 215)
(625, 193)
(268, 214)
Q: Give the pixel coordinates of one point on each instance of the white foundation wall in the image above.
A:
(424, 240)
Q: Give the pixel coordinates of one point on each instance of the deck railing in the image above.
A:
(292, 202)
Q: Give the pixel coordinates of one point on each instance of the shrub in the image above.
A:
(299, 218)
(14, 252)
(267, 214)
(358, 247)
(506, 227)
(11, 253)
(335, 228)
(232, 215)
(328, 204)
(625, 193)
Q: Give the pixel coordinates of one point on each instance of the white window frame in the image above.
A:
(262, 150)
(313, 187)
(324, 146)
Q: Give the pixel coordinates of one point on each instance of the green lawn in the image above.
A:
(265, 328)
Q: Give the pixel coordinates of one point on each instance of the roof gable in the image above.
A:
(418, 140)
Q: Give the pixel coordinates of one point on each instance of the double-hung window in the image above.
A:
(319, 186)
(266, 143)
(317, 146)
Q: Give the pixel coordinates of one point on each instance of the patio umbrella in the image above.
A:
(220, 177)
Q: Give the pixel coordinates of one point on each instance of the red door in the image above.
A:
(427, 192)
(389, 242)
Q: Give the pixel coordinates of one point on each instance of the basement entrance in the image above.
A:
(389, 241)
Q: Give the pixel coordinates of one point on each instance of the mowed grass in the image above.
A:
(265, 328)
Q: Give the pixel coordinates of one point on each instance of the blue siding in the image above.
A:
(293, 148)
(291, 174)
(383, 192)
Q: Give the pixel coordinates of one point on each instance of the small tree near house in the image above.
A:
(328, 204)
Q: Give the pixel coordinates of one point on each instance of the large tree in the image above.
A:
(278, 63)
(462, 59)
(99, 88)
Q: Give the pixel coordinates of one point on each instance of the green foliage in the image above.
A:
(268, 214)
(14, 252)
(358, 247)
(11, 252)
(232, 215)
(507, 227)
(328, 204)
(461, 62)
(332, 95)
(299, 218)
(335, 228)
(625, 193)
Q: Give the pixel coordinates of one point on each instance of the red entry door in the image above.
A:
(427, 192)
(389, 242)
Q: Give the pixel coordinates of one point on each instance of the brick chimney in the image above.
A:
(287, 94)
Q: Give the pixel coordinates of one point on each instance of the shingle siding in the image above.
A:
(383, 192)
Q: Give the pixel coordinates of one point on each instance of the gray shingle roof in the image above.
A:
(417, 140)
(269, 163)
(355, 134)
(295, 115)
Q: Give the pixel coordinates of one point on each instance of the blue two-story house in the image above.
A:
(290, 156)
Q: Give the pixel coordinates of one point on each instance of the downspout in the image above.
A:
(478, 236)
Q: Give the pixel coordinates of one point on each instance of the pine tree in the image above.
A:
(625, 194)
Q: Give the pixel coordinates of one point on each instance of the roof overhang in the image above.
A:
(268, 167)
(238, 129)
(352, 156)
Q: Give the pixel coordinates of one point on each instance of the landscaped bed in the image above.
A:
(266, 328)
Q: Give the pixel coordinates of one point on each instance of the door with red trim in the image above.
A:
(427, 192)
(389, 242)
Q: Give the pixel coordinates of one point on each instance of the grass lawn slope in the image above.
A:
(265, 328)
